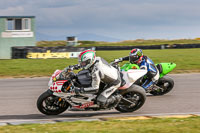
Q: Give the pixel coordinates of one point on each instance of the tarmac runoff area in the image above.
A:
(18, 103)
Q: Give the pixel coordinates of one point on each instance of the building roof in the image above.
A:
(17, 16)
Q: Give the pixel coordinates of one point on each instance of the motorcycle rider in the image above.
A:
(136, 56)
(101, 71)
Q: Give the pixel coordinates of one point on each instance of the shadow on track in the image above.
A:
(65, 115)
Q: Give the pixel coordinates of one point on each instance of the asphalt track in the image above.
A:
(18, 100)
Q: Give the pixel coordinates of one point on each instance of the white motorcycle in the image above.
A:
(61, 93)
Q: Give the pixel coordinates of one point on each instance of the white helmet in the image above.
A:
(87, 58)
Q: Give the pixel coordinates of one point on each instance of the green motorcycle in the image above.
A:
(164, 84)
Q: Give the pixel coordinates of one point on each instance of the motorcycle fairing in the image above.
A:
(84, 103)
(56, 86)
(129, 66)
(166, 68)
(131, 76)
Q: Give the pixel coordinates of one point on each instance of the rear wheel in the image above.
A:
(49, 104)
(133, 99)
(166, 84)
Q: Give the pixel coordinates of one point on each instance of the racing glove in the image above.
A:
(79, 90)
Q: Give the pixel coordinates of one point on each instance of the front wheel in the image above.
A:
(166, 84)
(49, 104)
(133, 99)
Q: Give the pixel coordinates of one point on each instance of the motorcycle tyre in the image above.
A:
(160, 82)
(40, 107)
(138, 90)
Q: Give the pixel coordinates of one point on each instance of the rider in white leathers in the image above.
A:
(101, 71)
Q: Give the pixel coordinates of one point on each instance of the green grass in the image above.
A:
(141, 42)
(138, 42)
(32, 67)
(155, 125)
(187, 60)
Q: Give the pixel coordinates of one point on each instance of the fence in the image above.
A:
(72, 52)
(45, 52)
(164, 46)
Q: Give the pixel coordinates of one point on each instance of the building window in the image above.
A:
(26, 24)
(10, 24)
(23, 24)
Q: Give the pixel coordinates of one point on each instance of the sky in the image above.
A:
(114, 19)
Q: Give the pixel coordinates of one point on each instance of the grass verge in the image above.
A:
(155, 125)
(187, 60)
(138, 42)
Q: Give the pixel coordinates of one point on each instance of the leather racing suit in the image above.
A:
(102, 71)
(152, 71)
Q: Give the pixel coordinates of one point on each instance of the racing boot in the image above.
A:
(78, 91)
(148, 85)
(112, 101)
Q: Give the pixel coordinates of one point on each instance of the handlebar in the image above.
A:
(72, 67)
(116, 61)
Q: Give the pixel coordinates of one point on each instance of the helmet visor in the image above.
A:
(85, 63)
(133, 58)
